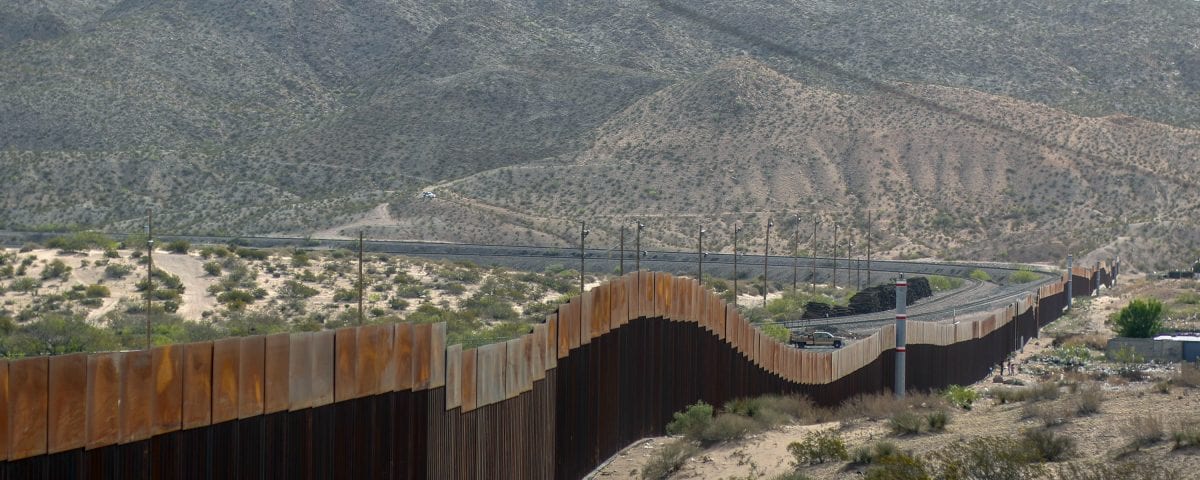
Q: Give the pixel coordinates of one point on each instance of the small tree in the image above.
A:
(1142, 318)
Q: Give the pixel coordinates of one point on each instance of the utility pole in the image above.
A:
(700, 257)
(583, 233)
(814, 256)
(901, 333)
(621, 262)
(868, 247)
(796, 257)
(149, 272)
(766, 256)
(637, 256)
(736, 229)
(834, 278)
(360, 277)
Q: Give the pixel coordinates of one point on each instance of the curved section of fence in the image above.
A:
(394, 401)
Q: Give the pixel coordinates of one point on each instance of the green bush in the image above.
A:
(980, 275)
(1024, 275)
(178, 246)
(906, 423)
(962, 397)
(986, 458)
(212, 269)
(235, 299)
(776, 331)
(24, 284)
(726, 427)
(97, 291)
(941, 283)
(343, 295)
(692, 421)
(117, 270)
(819, 447)
(1142, 318)
(56, 269)
(80, 241)
(669, 459)
(866, 455)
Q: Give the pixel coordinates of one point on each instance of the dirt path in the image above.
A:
(190, 270)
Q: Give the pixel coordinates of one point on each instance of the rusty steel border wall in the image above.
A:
(395, 402)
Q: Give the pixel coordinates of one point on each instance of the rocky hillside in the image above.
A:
(285, 116)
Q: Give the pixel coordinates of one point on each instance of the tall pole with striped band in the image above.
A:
(901, 340)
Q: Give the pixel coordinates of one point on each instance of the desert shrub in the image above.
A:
(117, 270)
(1046, 446)
(986, 458)
(772, 410)
(776, 331)
(866, 455)
(397, 303)
(937, 420)
(962, 397)
(899, 467)
(251, 253)
(1187, 376)
(1049, 414)
(692, 421)
(97, 291)
(24, 284)
(793, 475)
(1088, 400)
(940, 283)
(345, 295)
(178, 246)
(235, 299)
(1024, 275)
(1110, 470)
(56, 269)
(1186, 435)
(1142, 318)
(80, 241)
(980, 275)
(906, 423)
(1144, 430)
(1038, 392)
(669, 459)
(726, 427)
(1188, 298)
(872, 406)
(819, 447)
(293, 290)
(212, 269)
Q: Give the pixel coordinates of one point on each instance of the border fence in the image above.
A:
(394, 401)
